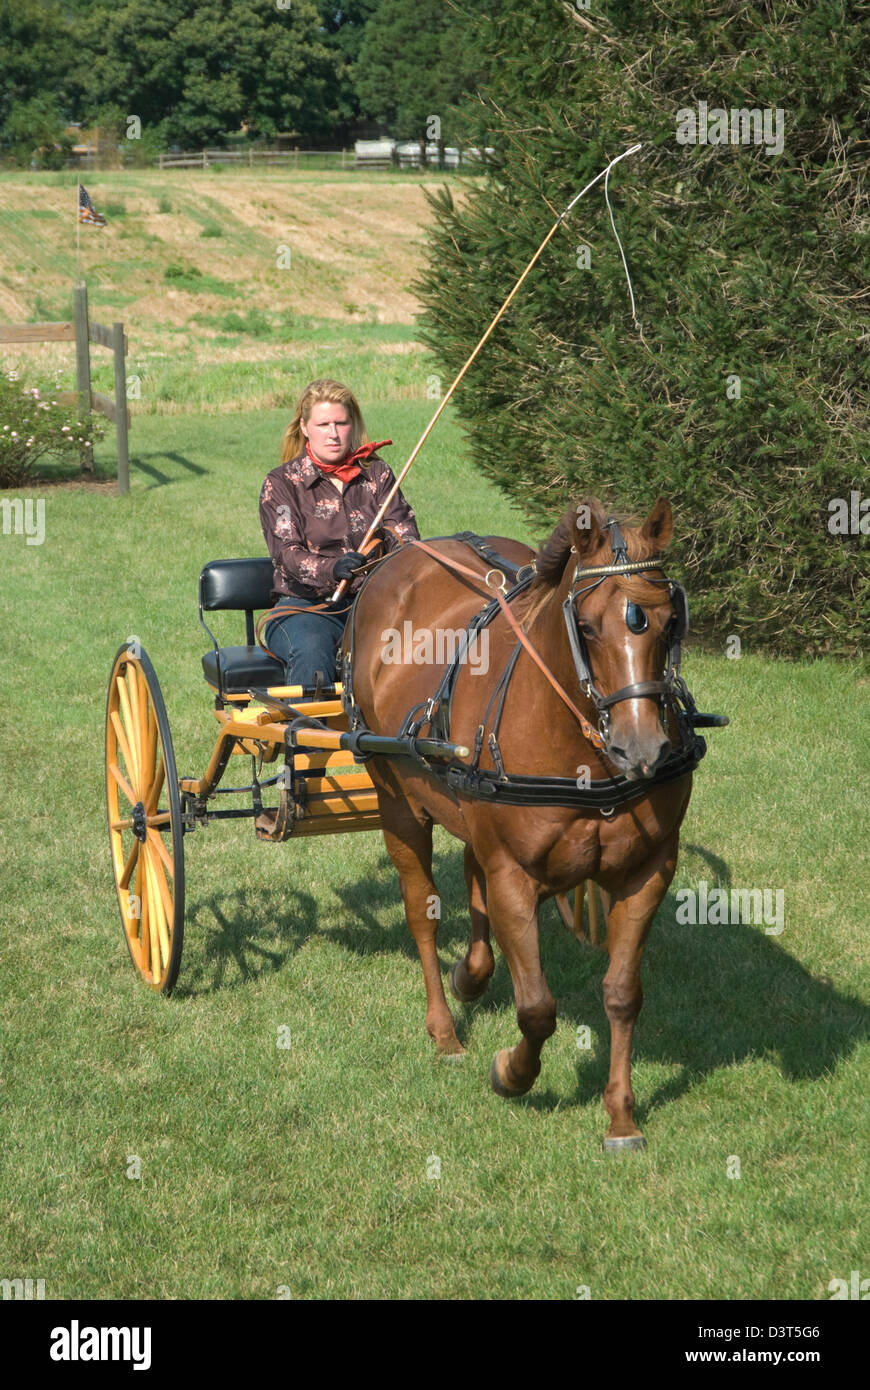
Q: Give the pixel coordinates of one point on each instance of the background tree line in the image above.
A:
(743, 394)
(197, 72)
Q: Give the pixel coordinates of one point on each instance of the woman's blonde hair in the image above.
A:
(293, 440)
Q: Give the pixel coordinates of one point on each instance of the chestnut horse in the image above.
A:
(517, 856)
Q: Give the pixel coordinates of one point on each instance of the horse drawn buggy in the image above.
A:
(564, 759)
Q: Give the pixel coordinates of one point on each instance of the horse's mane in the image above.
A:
(554, 554)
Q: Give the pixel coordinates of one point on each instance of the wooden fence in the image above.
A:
(204, 159)
(83, 332)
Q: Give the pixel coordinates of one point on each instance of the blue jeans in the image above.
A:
(307, 642)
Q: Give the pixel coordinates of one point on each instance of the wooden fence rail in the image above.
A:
(204, 159)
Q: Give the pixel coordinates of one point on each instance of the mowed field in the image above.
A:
(174, 1149)
(228, 282)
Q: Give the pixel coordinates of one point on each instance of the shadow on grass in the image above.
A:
(146, 463)
(254, 932)
(715, 996)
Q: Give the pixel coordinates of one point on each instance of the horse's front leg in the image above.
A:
(408, 838)
(512, 904)
(632, 909)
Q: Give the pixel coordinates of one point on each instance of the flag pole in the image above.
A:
(428, 430)
(78, 233)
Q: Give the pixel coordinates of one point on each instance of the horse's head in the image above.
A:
(624, 620)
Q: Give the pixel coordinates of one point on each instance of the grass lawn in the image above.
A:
(307, 1168)
(172, 1149)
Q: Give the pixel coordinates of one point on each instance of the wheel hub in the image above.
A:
(140, 824)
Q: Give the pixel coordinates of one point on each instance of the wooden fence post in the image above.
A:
(83, 371)
(121, 407)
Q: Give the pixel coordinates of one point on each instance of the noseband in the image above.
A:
(671, 687)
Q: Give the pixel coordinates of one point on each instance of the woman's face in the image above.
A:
(328, 430)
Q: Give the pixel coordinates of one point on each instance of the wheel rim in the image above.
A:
(145, 827)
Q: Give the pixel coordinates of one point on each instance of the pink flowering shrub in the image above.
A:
(33, 424)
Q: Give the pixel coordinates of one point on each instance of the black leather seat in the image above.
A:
(243, 586)
(233, 670)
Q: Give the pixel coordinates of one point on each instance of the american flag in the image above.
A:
(87, 211)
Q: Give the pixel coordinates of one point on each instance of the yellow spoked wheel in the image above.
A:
(145, 826)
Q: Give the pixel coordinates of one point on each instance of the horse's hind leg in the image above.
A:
(409, 845)
(470, 977)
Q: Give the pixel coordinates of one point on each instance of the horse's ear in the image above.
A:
(659, 525)
(590, 518)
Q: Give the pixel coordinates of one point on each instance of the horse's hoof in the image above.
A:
(624, 1144)
(453, 1054)
(498, 1085)
(464, 997)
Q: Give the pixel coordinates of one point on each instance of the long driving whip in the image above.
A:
(428, 430)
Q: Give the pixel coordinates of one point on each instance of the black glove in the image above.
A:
(345, 567)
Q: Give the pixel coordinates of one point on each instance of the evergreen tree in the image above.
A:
(743, 396)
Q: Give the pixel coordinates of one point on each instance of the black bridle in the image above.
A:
(671, 687)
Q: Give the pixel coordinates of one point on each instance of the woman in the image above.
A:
(315, 509)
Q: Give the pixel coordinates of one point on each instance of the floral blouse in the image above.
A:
(309, 524)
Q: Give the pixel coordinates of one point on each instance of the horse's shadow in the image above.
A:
(714, 995)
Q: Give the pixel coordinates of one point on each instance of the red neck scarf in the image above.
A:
(347, 468)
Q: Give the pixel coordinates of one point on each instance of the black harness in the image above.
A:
(604, 794)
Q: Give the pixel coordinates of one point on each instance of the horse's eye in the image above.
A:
(635, 618)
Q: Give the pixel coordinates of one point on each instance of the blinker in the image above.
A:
(635, 618)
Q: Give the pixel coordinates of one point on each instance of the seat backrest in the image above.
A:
(236, 584)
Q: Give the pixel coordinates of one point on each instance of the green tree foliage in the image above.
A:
(408, 69)
(199, 69)
(34, 42)
(743, 396)
(344, 27)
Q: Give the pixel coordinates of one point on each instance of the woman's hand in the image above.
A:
(347, 564)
